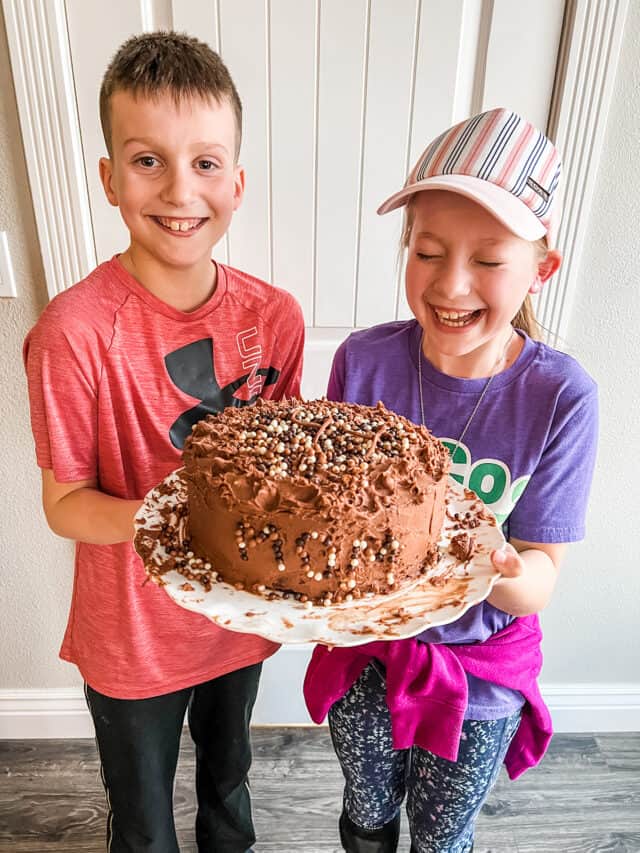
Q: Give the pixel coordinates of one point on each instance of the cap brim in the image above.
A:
(506, 208)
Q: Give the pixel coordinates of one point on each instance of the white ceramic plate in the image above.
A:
(378, 617)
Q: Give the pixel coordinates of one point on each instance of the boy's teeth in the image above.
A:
(179, 224)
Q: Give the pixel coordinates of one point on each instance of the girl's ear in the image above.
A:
(546, 268)
(550, 265)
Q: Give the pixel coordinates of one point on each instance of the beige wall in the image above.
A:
(36, 568)
(592, 625)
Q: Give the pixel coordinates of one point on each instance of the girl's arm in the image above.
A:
(529, 572)
(82, 512)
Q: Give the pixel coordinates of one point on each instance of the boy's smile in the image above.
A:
(467, 276)
(174, 177)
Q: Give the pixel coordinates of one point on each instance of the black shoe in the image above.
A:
(355, 839)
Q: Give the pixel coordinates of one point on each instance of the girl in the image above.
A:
(434, 717)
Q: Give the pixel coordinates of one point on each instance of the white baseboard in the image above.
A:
(62, 713)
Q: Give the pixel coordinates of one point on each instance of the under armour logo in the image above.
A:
(192, 370)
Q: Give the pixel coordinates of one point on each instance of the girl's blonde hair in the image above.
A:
(525, 319)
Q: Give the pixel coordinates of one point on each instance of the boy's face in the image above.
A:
(467, 276)
(173, 175)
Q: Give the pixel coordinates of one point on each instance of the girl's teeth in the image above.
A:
(454, 318)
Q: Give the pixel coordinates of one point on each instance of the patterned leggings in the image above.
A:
(444, 798)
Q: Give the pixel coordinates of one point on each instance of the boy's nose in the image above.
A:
(177, 188)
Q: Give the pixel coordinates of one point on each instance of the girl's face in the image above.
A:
(467, 276)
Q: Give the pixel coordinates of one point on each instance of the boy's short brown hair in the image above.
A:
(154, 63)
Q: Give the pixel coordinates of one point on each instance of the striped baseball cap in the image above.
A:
(502, 162)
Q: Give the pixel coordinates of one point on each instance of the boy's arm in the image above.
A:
(82, 512)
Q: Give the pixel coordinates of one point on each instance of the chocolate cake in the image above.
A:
(323, 501)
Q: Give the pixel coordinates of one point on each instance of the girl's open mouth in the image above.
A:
(456, 319)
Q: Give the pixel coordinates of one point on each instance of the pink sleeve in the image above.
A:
(292, 334)
(62, 381)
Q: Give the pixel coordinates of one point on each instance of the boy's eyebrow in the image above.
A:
(152, 143)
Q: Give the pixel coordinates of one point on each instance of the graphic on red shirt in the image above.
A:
(192, 369)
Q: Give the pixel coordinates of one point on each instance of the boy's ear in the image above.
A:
(238, 186)
(546, 268)
(106, 176)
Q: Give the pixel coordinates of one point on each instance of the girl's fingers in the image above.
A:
(507, 561)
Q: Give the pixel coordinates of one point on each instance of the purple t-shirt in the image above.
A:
(529, 451)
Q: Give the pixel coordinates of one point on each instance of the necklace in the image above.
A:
(494, 371)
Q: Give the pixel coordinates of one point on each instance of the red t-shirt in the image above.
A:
(116, 379)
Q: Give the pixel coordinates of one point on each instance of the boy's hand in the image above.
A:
(507, 561)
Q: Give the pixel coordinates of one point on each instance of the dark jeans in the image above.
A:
(138, 741)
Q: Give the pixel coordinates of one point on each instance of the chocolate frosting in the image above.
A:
(354, 494)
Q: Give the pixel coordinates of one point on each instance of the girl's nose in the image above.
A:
(453, 280)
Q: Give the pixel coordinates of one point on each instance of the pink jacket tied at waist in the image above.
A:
(427, 688)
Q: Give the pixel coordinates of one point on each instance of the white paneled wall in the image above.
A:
(339, 100)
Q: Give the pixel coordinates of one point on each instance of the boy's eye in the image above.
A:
(206, 165)
(147, 162)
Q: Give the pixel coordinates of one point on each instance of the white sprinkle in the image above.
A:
(351, 583)
(317, 576)
(281, 567)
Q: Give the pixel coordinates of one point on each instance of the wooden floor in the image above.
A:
(583, 798)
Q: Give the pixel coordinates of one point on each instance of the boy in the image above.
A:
(120, 366)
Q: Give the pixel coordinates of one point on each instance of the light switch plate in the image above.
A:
(7, 280)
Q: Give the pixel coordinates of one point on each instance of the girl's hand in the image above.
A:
(508, 561)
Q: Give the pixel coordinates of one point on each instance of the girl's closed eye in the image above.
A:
(489, 263)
